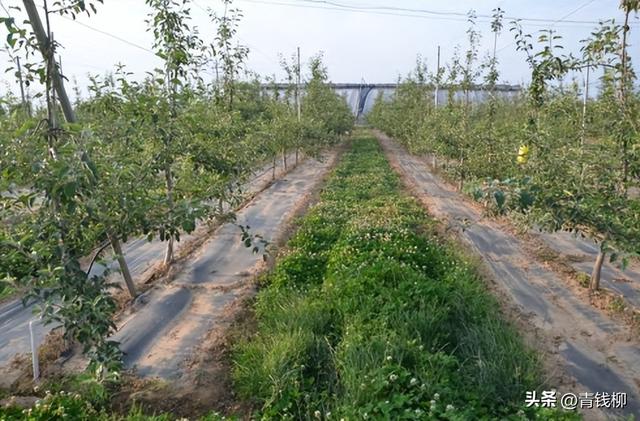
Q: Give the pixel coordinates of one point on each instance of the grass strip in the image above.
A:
(369, 315)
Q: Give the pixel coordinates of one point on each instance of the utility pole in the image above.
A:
(44, 43)
(25, 102)
(437, 80)
(298, 104)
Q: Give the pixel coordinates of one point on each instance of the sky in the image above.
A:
(359, 43)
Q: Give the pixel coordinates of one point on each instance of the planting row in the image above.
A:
(369, 315)
(554, 155)
(137, 157)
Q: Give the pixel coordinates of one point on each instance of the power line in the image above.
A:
(5, 9)
(93, 29)
(199, 6)
(562, 19)
(144, 48)
(443, 13)
(251, 47)
(422, 13)
(353, 10)
(116, 37)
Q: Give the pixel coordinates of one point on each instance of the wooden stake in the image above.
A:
(437, 80)
(25, 103)
(34, 353)
(298, 105)
(44, 43)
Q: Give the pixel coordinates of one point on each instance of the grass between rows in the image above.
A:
(369, 315)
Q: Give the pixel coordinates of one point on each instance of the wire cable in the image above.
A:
(5, 9)
(582, 6)
(421, 13)
(251, 46)
(442, 13)
(116, 37)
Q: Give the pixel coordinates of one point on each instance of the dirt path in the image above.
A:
(171, 320)
(597, 352)
(142, 257)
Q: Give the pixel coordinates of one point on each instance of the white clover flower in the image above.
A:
(317, 414)
(393, 377)
(413, 381)
(389, 357)
(433, 403)
(436, 396)
(450, 407)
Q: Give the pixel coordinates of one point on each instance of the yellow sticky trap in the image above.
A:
(523, 154)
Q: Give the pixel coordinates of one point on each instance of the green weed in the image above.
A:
(368, 316)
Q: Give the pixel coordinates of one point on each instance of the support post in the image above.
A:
(25, 102)
(435, 97)
(298, 105)
(35, 364)
(583, 134)
(44, 43)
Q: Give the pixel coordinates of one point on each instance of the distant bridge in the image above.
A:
(362, 96)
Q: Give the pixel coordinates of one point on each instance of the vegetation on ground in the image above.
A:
(369, 315)
(82, 398)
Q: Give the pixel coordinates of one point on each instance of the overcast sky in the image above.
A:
(374, 45)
